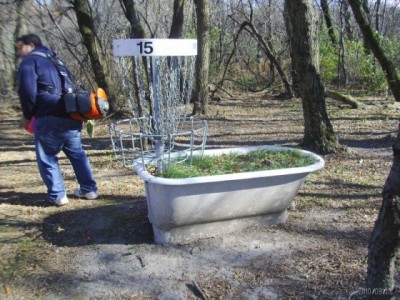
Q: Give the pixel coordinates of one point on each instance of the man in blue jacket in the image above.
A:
(40, 90)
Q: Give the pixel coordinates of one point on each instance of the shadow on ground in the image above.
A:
(110, 224)
(23, 199)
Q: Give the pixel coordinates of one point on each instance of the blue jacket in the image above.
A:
(35, 73)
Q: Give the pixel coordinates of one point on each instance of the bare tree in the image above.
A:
(346, 16)
(372, 41)
(302, 31)
(94, 47)
(177, 20)
(384, 240)
(19, 29)
(328, 21)
(266, 48)
(136, 28)
(136, 31)
(203, 57)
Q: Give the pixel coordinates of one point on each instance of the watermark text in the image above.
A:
(378, 291)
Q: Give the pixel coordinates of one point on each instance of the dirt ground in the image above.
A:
(103, 249)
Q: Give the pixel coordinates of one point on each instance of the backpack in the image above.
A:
(83, 105)
(80, 104)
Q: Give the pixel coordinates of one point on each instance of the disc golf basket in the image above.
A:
(157, 81)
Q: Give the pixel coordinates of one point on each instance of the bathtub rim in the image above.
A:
(147, 177)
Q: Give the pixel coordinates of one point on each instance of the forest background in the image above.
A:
(248, 40)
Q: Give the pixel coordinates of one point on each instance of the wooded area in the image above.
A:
(306, 49)
(244, 35)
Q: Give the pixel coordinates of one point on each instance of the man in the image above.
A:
(40, 90)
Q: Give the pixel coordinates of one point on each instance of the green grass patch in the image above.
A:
(258, 160)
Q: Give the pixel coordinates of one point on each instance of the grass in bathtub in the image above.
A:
(258, 160)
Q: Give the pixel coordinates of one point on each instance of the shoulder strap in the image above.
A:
(64, 75)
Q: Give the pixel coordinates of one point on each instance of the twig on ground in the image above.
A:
(197, 291)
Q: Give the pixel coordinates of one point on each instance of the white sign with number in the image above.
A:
(155, 47)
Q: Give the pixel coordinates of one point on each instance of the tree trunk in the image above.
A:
(203, 57)
(93, 46)
(137, 31)
(346, 99)
(19, 29)
(128, 6)
(328, 21)
(177, 20)
(372, 41)
(377, 14)
(385, 236)
(384, 240)
(348, 28)
(302, 31)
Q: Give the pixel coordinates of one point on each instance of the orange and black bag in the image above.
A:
(83, 105)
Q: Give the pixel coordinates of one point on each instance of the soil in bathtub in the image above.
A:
(257, 160)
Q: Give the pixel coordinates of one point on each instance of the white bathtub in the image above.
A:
(182, 210)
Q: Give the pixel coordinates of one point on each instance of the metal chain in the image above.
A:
(174, 90)
(164, 89)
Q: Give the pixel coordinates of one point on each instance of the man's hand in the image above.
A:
(23, 123)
